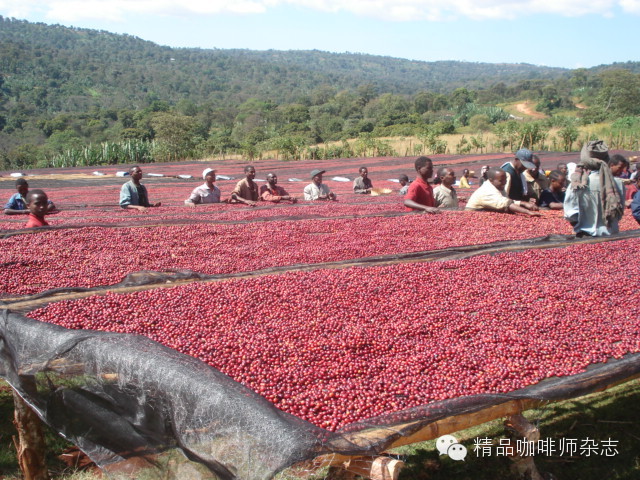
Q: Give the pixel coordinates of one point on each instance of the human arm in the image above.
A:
(11, 211)
(194, 199)
(16, 206)
(325, 193)
(527, 208)
(417, 206)
(237, 198)
(555, 206)
(551, 201)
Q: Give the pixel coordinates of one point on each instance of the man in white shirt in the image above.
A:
(491, 196)
(317, 190)
(205, 193)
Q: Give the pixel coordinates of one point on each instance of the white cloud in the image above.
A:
(398, 10)
(631, 6)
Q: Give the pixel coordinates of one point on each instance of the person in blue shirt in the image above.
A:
(635, 208)
(17, 204)
(133, 194)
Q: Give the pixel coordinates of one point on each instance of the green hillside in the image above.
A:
(63, 89)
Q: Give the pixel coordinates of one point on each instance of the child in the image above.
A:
(17, 204)
(404, 183)
(38, 206)
(553, 197)
(444, 194)
(420, 194)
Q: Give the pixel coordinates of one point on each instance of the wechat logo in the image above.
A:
(448, 445)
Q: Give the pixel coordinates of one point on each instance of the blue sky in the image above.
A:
(559, 33)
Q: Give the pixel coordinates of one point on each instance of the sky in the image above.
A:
(557, 33)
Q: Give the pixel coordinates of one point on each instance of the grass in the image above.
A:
(613, 414)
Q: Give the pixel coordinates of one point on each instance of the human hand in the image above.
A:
(430, 210)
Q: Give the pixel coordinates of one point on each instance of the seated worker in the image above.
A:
(491, 196)
(271, 192)
(444, 194)
(594, 202)
(246, 190)
(516, 187)
(205, 193)
(17, 204)
(404, 184)
(553, 197)
(362, 184)
(133, 194)
(464, 180)
(536, 181)
(420, 194)
(317, 190)
(38, 207)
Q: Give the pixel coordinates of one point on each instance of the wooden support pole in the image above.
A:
(378, 468)
(524, 465)
(374, 468)
(30, 444)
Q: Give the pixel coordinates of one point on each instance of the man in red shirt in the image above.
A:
(271, 192)
(420, 194)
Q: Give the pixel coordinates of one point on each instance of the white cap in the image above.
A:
(207, 170)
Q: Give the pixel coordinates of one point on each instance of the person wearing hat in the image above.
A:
(317, 190)
(271, 192)
(594, 202)
(205, 193)
(536, 181)
(516, 186)
(246, 190)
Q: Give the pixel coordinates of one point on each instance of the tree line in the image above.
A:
(84, 97)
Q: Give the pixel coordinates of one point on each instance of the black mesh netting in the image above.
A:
(125, 399)
(131, 403)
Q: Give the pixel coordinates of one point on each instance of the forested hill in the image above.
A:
(84, 97)
(68, 69)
